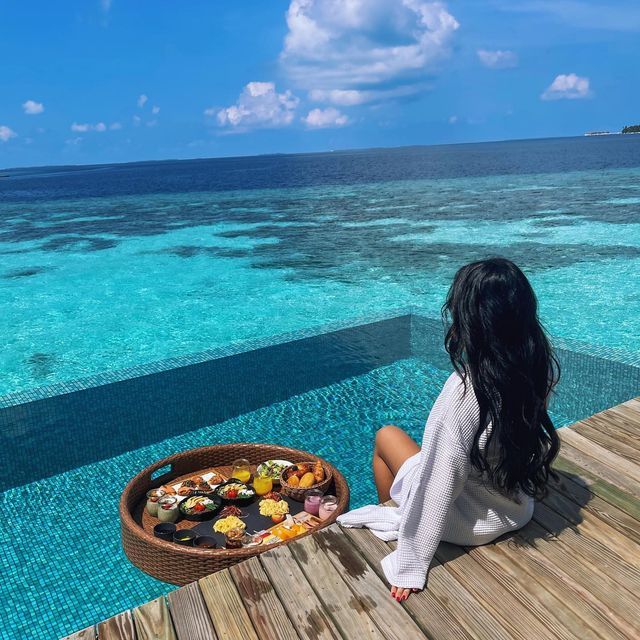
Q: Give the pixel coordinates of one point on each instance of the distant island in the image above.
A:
(634, 128)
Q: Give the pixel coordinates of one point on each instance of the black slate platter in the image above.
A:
(252, 518)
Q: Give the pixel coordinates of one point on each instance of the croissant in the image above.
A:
(318, 472)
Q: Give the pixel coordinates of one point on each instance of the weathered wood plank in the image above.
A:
(269, 618)
(577, 491)
(373, 593)
(589, 550)
(119, 627)
(435, 620)
(598, 468)
(462, 604)
(85, 634)
(598, 486)
(595, 587)
(621, 443)
(559, 512)
(594, 450)
(226, 609)
(308, 614)
(562, 608)
(153, 621)
(348, 611)
(490, 594)
(190, 615)
(618, 419)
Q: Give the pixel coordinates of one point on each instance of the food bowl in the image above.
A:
(297, 492)
(273, 468)
(244, 494)
(164, 530)
(210, 502)
(185, 537)
(205, 542)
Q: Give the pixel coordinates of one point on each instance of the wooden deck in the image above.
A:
(573, 572)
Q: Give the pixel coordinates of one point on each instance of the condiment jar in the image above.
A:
(152, 501)
(167, 509)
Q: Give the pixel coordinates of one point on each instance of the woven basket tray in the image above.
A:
(178, 564)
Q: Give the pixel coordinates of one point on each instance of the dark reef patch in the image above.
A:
(41, 364)
(26, 272)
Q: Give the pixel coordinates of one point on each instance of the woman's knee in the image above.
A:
(387, 435)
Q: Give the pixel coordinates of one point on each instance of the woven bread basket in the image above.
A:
(298, 494)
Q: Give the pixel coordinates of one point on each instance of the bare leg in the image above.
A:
(393, 446)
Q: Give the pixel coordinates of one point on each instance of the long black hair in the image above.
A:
(495, 338)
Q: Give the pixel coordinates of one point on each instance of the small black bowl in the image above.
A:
(238, 501)
(164, 530)
(185, 537)
(205, 515)
(205, 542)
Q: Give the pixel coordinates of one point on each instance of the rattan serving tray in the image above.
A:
(178, 564)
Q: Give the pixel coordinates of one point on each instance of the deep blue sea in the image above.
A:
(108, 266)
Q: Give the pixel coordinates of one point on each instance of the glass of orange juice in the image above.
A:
(241, 470)
(262, 482)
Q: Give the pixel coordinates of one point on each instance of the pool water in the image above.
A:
(64, 565)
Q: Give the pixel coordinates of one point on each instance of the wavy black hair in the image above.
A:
(494, 337)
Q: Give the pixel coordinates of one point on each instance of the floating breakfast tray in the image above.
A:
(179, 564)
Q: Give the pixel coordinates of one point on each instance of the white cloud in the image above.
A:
(498, 59)
(344, 97)
(259, 105)
(210, 112)
(6, 133)
(142, 99)
(74, 141)
(115, 126)
(453, 119)
(152, 123)
(106, 5)
(569, 86)
(352, 49)
(136, 120)
(85, 127)
(32, 108)
(155, 110)
(323, 118)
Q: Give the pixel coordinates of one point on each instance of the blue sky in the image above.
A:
(89, 81)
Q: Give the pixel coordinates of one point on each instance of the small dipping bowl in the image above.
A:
(164, 531)
(185, 537)
(205, 542)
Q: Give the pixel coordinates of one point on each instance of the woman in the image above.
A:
(489, 442)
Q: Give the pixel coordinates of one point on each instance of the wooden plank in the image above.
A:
(613, 424)
(349, 612)
(573, 488)
(588, 526)
(153, 621)
(435, 620)
(602, 592)
(119, 627)
(600, 469)
(599, 487)
(612, 460)
(462, 604)
(563, 609)
(269, 618)
(190, 615)
(621, 444)
(626, 417)
(308, 614)
(634, 405)
(491, 595)
(372, 592)
(230, 618)
(589, 550)
(85, 634)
